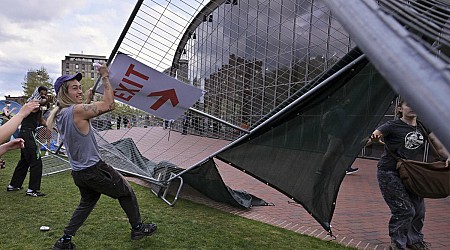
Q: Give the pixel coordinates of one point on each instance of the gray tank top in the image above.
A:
(81, 149)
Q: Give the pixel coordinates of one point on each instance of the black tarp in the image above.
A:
(205, 178)
(305, 151)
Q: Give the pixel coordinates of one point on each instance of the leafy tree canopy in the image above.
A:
(36, 78)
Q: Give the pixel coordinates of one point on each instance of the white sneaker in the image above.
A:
(351, 170)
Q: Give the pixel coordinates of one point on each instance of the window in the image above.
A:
(235, 2)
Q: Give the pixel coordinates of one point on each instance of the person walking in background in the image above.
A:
(125, 122)
(334, 123)
(92, 176)
(404, 137)
(118, 121)
(30, 155)
(185, 124)
(133, 121)
(166, 124)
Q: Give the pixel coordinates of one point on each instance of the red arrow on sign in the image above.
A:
(165, 95)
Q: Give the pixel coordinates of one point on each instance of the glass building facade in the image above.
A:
(249, 56)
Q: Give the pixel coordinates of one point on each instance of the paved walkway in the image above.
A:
(361, 215)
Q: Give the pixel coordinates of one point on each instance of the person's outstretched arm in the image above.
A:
(91, 110)
(375, 137)
(440, 148)
(14, 144)
(11, 126)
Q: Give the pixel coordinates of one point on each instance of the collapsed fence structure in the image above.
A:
(280, 78)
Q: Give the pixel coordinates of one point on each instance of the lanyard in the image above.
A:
(38, 149)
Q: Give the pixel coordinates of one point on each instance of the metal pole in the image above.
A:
(219, 120)
(119, 41)
(412, 71)
(278, 114)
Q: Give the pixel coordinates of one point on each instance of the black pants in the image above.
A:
(30, 157)
(102, 179)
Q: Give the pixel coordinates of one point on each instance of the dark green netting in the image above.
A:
(129, 149)
(205, 178)
(305, 151)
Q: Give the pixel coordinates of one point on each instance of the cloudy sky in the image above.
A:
(40, 33)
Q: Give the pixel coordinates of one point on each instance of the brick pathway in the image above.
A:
(360, 218)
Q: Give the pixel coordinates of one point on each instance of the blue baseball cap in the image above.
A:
(59, 82)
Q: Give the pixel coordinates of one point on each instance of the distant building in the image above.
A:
(19, 99)
(250, 59)
(82, 63)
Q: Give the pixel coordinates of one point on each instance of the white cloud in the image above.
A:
(35, 34)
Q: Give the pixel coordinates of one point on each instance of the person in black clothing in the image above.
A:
(406, 138)
(185, 124)
(119, 121)
(7, 129)
(125, 122)
(334, 124)
(30, 155)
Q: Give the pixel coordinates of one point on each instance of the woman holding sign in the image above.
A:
(92, 176)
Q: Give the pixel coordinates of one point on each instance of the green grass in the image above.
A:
(187, 225)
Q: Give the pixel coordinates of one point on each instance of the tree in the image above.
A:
(36, 78)
(87, 83)
(124, 109)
